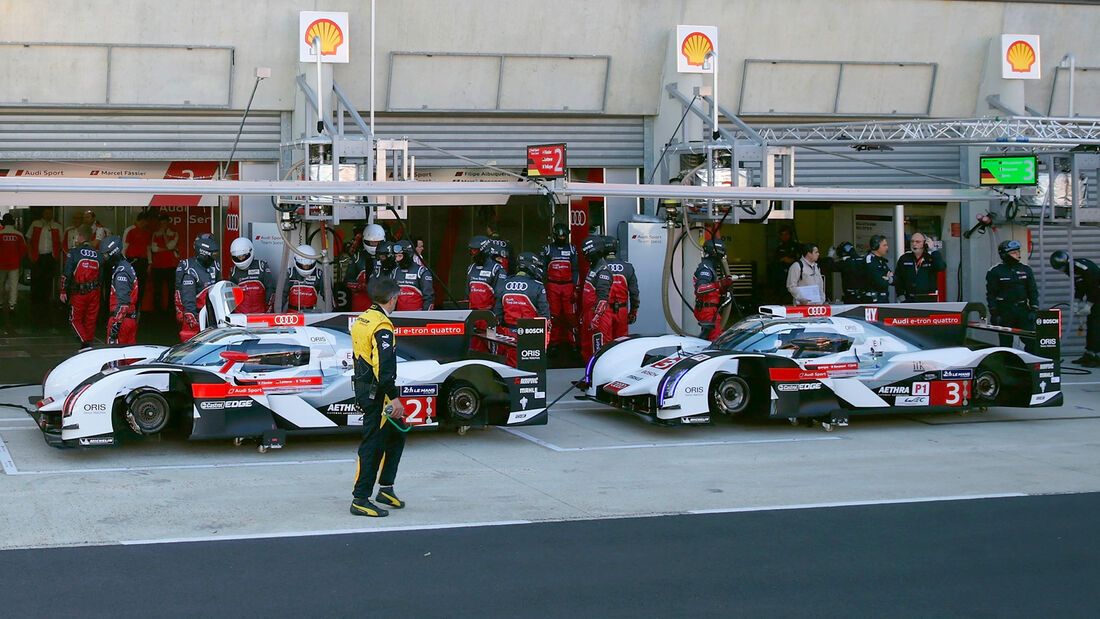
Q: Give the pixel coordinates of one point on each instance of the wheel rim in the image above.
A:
(464, 402)
(986, 385)
(150, 413)
(732, 395)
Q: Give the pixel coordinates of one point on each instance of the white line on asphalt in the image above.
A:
(1084, 382)
(222, 538)
(436, 527)
(929, 499)
(5, 459)
(554, 447)
(18, 427)
(178, 467)
(24, 418)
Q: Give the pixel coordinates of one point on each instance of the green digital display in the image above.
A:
(1009, 170)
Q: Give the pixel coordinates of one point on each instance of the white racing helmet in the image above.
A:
(372, 236)
(240, 251)
(306, 266)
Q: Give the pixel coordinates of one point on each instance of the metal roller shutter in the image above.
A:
(137, 135)
(603, 141)
(1055, 289)
(822, 167)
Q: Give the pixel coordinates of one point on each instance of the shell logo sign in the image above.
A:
(330, 28)
(693, 43)
(1020, 56)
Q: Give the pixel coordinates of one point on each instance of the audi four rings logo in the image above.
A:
(817, 310)
(232, 222)
(285, 319)
(515, 286)
(578, 218)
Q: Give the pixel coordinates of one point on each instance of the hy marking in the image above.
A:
(558, 448)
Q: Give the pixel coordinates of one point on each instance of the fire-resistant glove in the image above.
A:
(601, 307)
(64, 297)
(632, 316)
(123, 310)
(190, 321)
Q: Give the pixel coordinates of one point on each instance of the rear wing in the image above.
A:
(440, 335)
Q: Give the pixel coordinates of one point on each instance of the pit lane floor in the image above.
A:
(588, 463)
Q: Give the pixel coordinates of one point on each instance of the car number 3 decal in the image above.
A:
(950, 392)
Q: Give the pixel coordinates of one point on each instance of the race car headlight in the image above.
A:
(668, 386)
(67, 410)
(588, 370)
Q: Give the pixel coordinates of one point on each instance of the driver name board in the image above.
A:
(546, 161)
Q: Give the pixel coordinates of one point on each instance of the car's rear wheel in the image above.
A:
(463, 400)
(729, 395)
(987, 385)
(147, 411)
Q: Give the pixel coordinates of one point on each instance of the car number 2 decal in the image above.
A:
(419, 411)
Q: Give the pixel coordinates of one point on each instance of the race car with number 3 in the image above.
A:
(274, 374)
(826, 363)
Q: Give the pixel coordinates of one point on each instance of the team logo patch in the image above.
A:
(408, 391)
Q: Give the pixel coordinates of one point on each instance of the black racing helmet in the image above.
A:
(476, 244)
(1007, 246)
(111, 248)
(206, 249)
(714, 248)
(611, 245)
(1060, 261)
(385, 255)
(405, 248)
(560, 234)
(846, 250)
(492, 248)
(530, 264)
(593, 248)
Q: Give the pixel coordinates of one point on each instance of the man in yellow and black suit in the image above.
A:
(374, 348)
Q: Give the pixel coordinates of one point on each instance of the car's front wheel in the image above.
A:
(147, 411)
(729, 395)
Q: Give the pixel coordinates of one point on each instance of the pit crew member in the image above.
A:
(1086, 286)
(562, 271)
(850, 267)
(916, 276)
(254, 276)
(593, 248)
(482, 277)
(374, 350)
(305, 290)
(876, 271)
(710, 288)
(1010, 292)
(617, 299)
(520, 296)
(417, 287)
(80, 286)
(125, 291)
(193, 277)
(363, 265)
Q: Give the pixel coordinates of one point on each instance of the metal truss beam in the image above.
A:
(1034, 131)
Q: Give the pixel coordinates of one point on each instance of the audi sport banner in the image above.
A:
(111, 170)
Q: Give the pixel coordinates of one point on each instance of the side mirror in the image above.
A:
(232, 357)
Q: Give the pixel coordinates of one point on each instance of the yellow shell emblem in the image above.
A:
(1020, 56)
(695, 48)
(330, 34)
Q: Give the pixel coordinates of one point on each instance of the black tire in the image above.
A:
(148, 411)
(729, 395)
(987, 385)
(462, 399)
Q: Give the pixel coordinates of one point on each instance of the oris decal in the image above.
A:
(694, 391)
(95, 408)
(1048, 342)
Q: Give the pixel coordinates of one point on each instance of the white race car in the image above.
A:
(273, 374)
(825, 363)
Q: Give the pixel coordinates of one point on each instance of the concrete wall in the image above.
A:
(633, 32)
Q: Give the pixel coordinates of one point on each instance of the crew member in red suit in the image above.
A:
(193, 277)
(165, 260)
(254, 277)
(417, 289)
(68, 238)
(520, 296)
(593, 248)
(616, 295)
(482, 276)
(44, 244)
(137, 249)
(363, 265)
(305, 290)
(710, 288)
(125, 291)
(12, 249)
(560, 258)
(80, 286)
